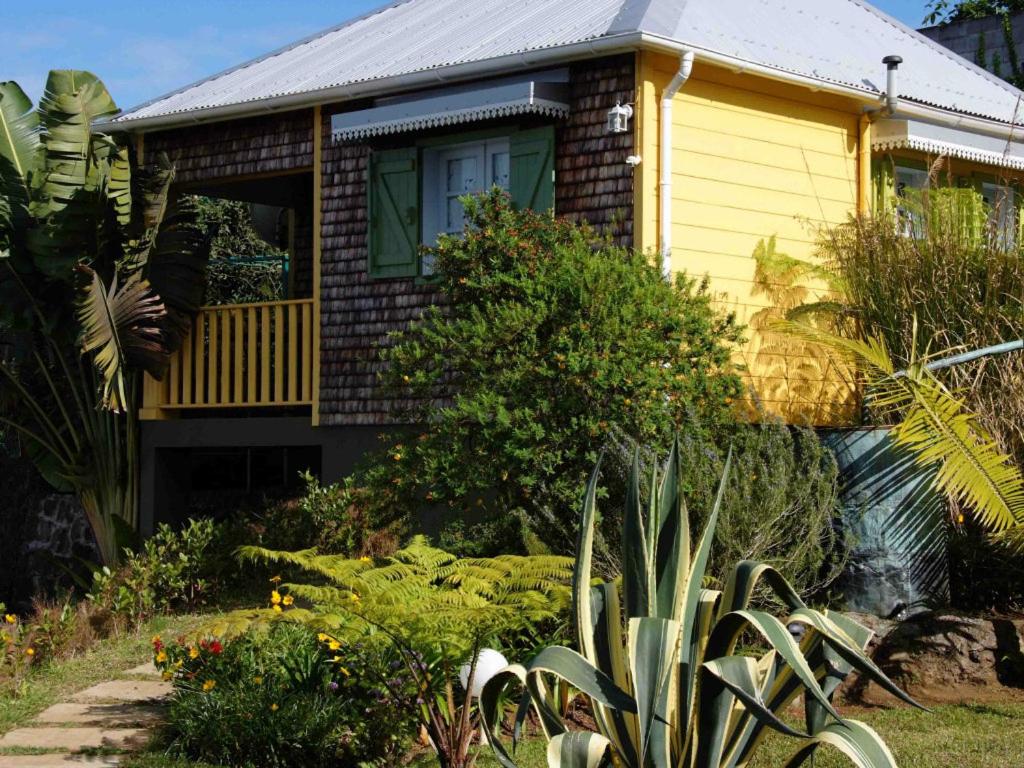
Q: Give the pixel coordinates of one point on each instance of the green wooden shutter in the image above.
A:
(532, 168)
(394, 213)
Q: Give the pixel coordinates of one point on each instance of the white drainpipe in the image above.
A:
(665, 186)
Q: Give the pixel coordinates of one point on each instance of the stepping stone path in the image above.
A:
(111, 717)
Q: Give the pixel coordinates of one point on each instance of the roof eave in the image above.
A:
(601, 46)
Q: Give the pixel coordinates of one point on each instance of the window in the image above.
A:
(910, 186)
(1001, 203)
(413, 193)
(451, 172)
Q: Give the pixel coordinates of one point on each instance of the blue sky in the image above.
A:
(144, 48)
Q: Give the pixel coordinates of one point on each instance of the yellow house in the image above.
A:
(705, 131)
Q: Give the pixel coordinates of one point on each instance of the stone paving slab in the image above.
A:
(144, 670)
(109, 715)
(74, 739)
(124, 690)
(57, 761)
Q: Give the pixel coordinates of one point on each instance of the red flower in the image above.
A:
(204, 644)
(158, 646)
(216, 648)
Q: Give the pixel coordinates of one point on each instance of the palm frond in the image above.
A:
(120, 327)
(936, 427)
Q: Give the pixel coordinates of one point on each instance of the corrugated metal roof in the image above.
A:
(840, 41)
(843, 41)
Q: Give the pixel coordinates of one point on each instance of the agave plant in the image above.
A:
(660, 662)
(99, 277)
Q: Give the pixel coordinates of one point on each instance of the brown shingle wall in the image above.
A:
(269, 144)
(593, 183)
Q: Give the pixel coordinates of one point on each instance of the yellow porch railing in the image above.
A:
(239, 356)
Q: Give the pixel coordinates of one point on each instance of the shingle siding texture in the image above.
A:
(255, 145)
(593, 183)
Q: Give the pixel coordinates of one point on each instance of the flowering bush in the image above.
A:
(51, 630)
(280, 697)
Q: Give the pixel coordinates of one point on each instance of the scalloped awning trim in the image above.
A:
(454, 107)
(889, 135)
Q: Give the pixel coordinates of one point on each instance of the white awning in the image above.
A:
(452, 107)
(889, 135)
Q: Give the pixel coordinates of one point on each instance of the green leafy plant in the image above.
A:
(274, 697)
(551, 336)
(936, 273)
(428, 611)
(172, 571)
(100, 275)
(659, 658)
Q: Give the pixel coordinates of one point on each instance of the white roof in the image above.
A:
(835, 41)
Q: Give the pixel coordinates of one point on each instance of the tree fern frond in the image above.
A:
(937, 427)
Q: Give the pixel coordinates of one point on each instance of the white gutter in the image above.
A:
(665, 184)
(603, 46)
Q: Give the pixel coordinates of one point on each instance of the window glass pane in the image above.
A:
(463, 176)
(1002, 217)
(455, 218)
(910, 186)
(500, 169)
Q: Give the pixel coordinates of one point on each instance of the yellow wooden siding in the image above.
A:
(752, 159)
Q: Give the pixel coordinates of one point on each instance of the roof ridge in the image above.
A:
(955, 58)
(387, 6)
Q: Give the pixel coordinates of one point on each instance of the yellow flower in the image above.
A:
(209, 685)
(277, 609)
(288, 600)
(179, 664)
(161, 658)
(334, 645)
(155, 639)
(275, 597)
(344, 671)
(274, 707)
(397, 457)
(193, 652)
(960, 518)
(258, 680)
(30, 651)
(166, 676)
(323, 637)
(365, 559)
(10, 618)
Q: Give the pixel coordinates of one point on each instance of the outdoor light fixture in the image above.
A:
(618, 118)
(488, 663)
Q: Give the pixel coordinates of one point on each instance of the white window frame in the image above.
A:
(435, 186)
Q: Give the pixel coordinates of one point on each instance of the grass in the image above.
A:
(55, 681)
(951, 736)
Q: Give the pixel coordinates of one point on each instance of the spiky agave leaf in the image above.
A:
(674, 691)
(937, 428)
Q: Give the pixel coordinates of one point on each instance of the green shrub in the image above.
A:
(172, 571)
(550, 338)
(278, 698)
(780, 505)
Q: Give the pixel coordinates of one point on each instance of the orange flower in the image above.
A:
(30, 651)
(209, 685)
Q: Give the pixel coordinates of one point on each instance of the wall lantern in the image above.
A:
(618, 118)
